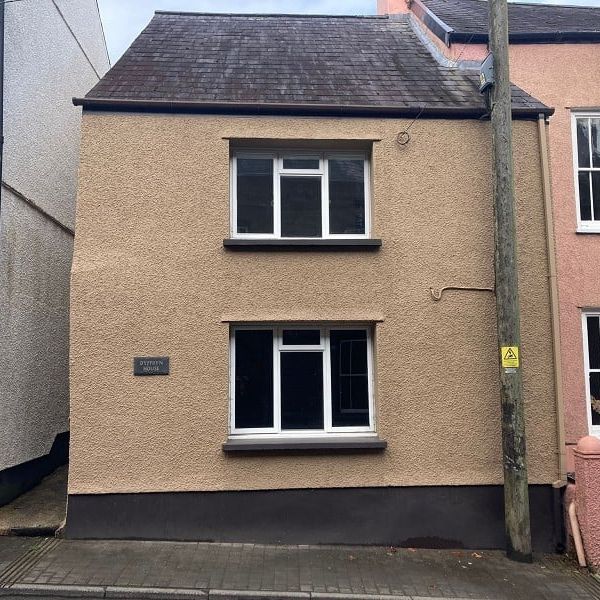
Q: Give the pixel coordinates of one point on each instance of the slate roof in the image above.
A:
(279, 63)
(526, 22)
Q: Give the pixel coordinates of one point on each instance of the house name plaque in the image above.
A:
(151, 365)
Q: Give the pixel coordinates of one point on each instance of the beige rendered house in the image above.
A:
(270, 209)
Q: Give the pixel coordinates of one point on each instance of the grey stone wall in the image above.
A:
(55, 50)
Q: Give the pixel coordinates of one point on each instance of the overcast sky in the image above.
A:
(124, 19)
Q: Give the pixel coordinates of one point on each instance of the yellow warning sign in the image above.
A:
(510, 357)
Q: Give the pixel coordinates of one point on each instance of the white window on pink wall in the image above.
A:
(586, 145)
(591, 348)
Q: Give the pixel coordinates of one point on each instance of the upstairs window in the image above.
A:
(587, 167)
(300, 195)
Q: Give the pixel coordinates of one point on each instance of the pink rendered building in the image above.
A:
(555, 56)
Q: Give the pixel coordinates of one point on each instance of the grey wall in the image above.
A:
(54, 50)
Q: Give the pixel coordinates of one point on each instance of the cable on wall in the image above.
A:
(404, 136)
(436, 294)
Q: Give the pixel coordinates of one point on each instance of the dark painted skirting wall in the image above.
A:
(20, 478)
(433, 517)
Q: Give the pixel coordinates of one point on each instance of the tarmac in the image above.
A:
(39, 568)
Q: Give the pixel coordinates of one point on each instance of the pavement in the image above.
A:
(41, 511)
(62, 568)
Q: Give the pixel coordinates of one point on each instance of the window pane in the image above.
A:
(593, 334)
(301, 206)
(309, 162)
(301, 390)
(301, 337)
(596, 194)
(595, 397)
(254, 195)
(595, 142)
(349, 378)
(583, 142)
(253, 378)
(346, 196)
(585, 203)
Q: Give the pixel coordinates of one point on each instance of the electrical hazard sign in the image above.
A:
(510, 357)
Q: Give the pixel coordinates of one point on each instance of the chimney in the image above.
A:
(391, 7)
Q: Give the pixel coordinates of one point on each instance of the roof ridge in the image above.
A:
(289, 15)
(541, 4)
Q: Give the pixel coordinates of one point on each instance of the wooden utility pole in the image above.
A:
(516, 492)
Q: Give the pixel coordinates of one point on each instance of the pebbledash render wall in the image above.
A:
(151, 277)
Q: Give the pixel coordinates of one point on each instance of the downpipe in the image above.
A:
(553, 285)
(576, 535)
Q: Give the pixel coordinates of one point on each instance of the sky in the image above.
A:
(123, 20)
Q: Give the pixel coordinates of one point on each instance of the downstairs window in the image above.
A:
(301, 380)
(591, 338)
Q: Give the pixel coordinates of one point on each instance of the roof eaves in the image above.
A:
(558, 37)
(529, 37)
(178, 106)
(467, 37)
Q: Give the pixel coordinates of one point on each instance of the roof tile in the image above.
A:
(251, 59)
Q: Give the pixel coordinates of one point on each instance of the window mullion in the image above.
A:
(276, 197)
(327, 420)
(231, 380)
(589, 126)
(589, 176)
(325, 197)
(367, 193)
(233, 203)
(276, 380)
(370, 377)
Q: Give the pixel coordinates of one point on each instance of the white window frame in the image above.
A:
(586, 226)
(277, 155)
(593, 429)
(278, 347)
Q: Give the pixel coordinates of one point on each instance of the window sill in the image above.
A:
(585, 230)
(306, 445)
(303, 244)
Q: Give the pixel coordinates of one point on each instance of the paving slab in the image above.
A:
(12, 548)
(134, 570)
